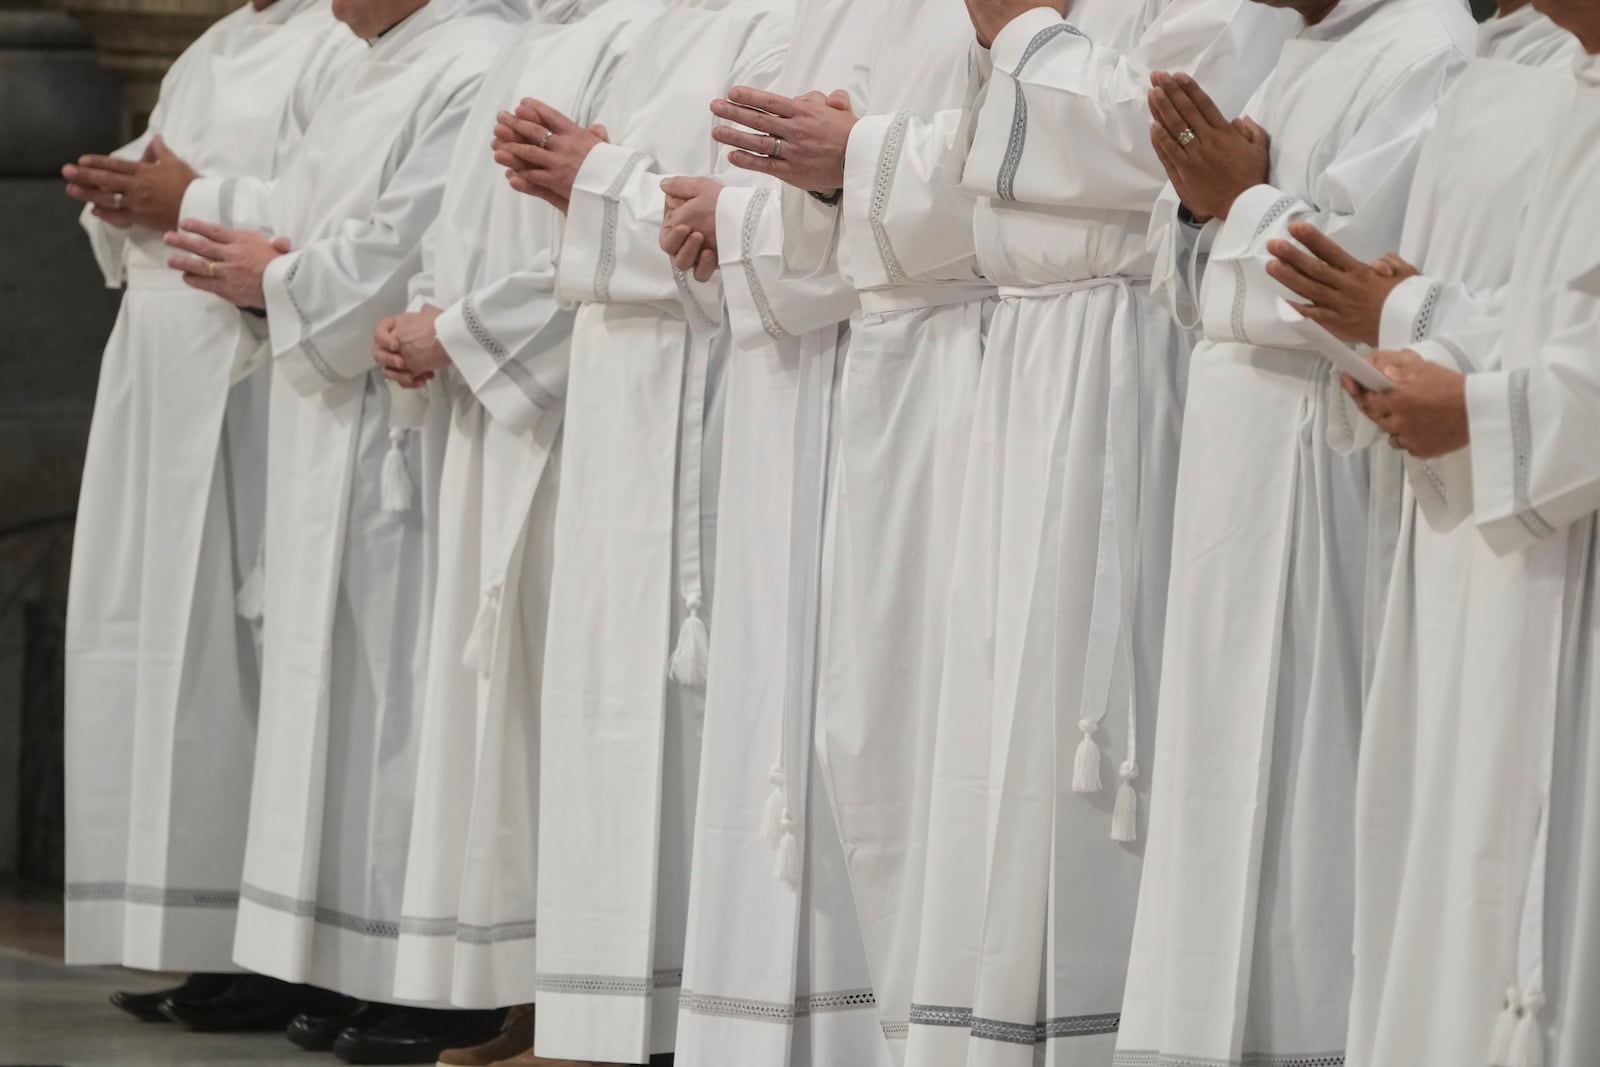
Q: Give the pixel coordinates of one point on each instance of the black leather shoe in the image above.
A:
(417, 1035)
(146, 1007)
(317, 1031)
(253, 1003)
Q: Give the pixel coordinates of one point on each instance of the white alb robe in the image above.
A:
(162, 674)
(906, 397)
(349, 581)
(1440, 775)
(1242, 946)
(1061, 552)
(468, 929)
(620, 740)
(775, 972)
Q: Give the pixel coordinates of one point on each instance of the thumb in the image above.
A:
(282, 244)
(1252, 130)
(552, 119)
(839, 100)
(1383, 268)
(601, 132)
(678, 187)
(159, 152)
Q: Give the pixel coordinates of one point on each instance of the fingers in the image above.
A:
(1301, 274)
(282, 245)
(92, 196)
(601, 132)
(195, 244)
(1324, 247)
(1167, 116)
(1201, 101)
(1179, 108)
(109, 163)
(519, 156)
(159, 152)
(839, 100)
(1253, 131)
(673, 238)
(108, 181)
(515, 128)
(1167, 150)
(771, 103)
(191, 266)
(543, 114)
(757, 163)
(759, 143)
(689, 254)
(764, 121)
(706, 266)
(210, 230)
(681, 188)
(120, 219)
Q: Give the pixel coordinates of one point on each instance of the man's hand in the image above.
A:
(1220, 160)
(689, 230)
(543, 150)
(1425, 413)
(229, 263)
(989, 17)
(1343, 295)
(407, 350)
(124, 193)
(801, 140)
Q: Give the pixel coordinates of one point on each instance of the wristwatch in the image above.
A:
(833, 199)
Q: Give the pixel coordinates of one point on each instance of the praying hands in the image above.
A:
(1425, 413)
(689, 230)
(229, 263)
(1209, 160)
(543, 151)
(407, 349)
(800, 140)
(124, 193)
(1342, 294)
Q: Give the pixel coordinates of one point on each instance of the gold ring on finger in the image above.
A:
(545, 141)
(777, 148)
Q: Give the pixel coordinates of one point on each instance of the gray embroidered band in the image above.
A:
(1005, 187)
(387, 929)
(469, 933)
(307, 346)
(605, 985)
(1240, 334)
(227, 196)
(1522, 457)
(606, 268)
(1424, 320)
(151, 895)
(767, 1011)
(1249, 1059)
(747, 249)
(515, 372)
(1011, 1033)
(894, 142)
(1464, 363)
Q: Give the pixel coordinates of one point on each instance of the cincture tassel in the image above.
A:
(478, 652)
(408, 411)
(691, 658)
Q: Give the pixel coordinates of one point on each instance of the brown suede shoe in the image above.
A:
(514, 1039)
(528, 1059)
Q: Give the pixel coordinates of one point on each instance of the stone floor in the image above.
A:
(57, 1016)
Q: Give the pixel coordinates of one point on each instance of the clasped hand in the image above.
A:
(1343, 295)
(543, 151)
(689, 228)
(407, 349)
(800, 140)
(124, 192)
(229, 263)
(1425, 413)
(1208, 159)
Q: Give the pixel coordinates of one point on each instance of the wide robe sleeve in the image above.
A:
(766, 303)
(906, 218)
(325, 300)
(1064, 119)
(510, 342)
(1360, 198)
(1535, 433)
(109, 243)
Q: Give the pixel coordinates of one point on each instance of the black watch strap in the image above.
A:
(833, 199)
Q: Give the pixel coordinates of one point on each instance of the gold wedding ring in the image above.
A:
(546, 140)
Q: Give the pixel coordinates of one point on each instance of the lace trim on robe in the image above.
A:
(1005, 187)
(1424, 322)
(747, 248)
(894, 142)
(606, 268)
(306, 345)
(470, 933)
(519, 375)
(1522, 457)
(151, 895)
(605, 985)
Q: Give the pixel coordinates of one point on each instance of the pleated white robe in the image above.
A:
(1061, 550)
(468, 928)
(1242, 946)
(634, 540)
(1446, 799)
(775, 972)
(904, 413)
(162, 674)
(349, 582)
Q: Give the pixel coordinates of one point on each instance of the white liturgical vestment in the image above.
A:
(349, 573)
(162, 674)
(632, 593)
(1061, 549)
(774, 969)
(467, 934)
(1242, 946)
(1455, 738)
